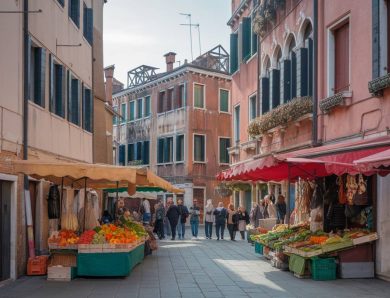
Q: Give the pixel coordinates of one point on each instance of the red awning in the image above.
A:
(308, 163)
(381, 159)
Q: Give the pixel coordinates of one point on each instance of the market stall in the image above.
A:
(82, 246)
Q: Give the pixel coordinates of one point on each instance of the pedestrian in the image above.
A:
(232, 222)
(167, 226)
(194, 219)
(106, 218)
(159, 224)
(220, 214)
(270, 209)
(209, 219)
(243, 220)
(173, 217)
(281, 209)
(255, 214)
(146, 211)
(183, 214)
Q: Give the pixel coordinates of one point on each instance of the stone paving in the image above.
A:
(203, 268)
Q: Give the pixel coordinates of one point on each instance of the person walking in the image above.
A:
(167, 226)
(281, 209)
(243, 220)
(173, 216)
(183, 214)
(220, 214)
(159, 223)
(146, 212)
(232, 222)
(255, 214)
(194, 219)
(270, 209)
(209, 219)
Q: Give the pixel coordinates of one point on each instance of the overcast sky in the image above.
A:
(140, 32)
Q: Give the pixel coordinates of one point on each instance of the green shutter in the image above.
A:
(224, 144)
(224, 100)
(132, 110)
(233, 52)
(264, 95)
(52, 93)
(122, 154)
(376, 39)
(87, 109)
(160, 151)
(147, 106)
(246, 38)
(145, 152)
(275, 88)
(198, 96)
(199, 149)
(302, 72)
(180, 148)
(310, 58)
(293, 76)
(285, 82)
(39, 75)
(59, 88)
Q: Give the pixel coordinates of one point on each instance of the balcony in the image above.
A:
(377, 85)
(249, 146)
(235, 150)
(341, 99)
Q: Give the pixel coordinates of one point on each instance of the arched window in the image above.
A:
(275, 78)
(288, 88)
(305, 62)
(264, 86)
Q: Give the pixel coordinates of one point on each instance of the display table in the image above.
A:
(109, 263)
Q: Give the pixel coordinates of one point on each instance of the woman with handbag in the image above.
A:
(209, 219)
(243, 220)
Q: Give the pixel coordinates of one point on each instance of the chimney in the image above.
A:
(109, 75)
(170, 59)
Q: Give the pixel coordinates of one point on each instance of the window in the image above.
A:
(131, 153)
(115, 118)
(304, 61)
(180, 97)
(254, 38)
(37, 75)
(61, 2)
(74, 100)
(169, 99)
(199, 96)
(160, 151)
(341, 58)
(57, 88)
(88, 23)
(288, 70)
(199, 148)
(139, 108)
(74, 12)
(165, 150)
(147, 106)
(138, 156)
(252, 107)
(264, 87)
(275, 80)
(132, 111)
(87, 109)
(224, 100)
(246, 38)
(180, 148)
(146, 153)
(233, 52)
(123, 113)
(224, 144)
(122, 154)
(237, 124)
(161, 102)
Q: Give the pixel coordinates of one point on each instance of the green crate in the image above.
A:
(323, 268)
(258, 248)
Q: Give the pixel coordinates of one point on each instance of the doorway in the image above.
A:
(248, 200)
(5, 229)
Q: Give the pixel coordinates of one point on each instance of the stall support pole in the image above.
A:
(85, 200)
(61, 200)
(288, 197)
(117, 198)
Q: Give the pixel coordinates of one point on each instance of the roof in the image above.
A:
(238, 11)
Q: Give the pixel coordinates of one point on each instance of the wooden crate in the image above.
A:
(61, 273)
(63, 259)
(365, 239)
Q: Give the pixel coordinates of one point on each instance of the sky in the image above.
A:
(140, 32)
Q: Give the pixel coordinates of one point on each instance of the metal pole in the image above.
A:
(315, 68)
(117, 197)
(192, 55)
(200, 46)
(288, 197)
(85, 200)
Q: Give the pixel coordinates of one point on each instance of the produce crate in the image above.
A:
(267, 223)
(61, 273)
(337, 246)
(258, 248)
(357, 270)
(37, 265)
(365, 239)
(63, 259)
(323, 269)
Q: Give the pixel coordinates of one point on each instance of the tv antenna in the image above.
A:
(188, 15)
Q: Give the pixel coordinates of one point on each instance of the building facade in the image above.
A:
(178, 123)
(61, 83)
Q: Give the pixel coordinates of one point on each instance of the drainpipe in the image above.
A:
(315, 75)
(27, 200)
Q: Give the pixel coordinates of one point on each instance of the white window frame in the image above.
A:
(331, 65)
(184, 149)
(219, 101)
(205, 148)
(173, 150)
(204, 96)
(250, 108)
(121, 122)
(234, 143)
(219, 150)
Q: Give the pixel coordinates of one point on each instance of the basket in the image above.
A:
(323, 269)
(258, 248)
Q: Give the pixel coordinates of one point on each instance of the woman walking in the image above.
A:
(243, 220)
(220, 220)
(209, 219)
(194, 219)
(173, 217)
(281, 209)
(232, 222)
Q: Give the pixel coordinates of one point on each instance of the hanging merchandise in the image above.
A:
(53, 202)
(91, 217)
(302, 201)
(352, 187)
(341, 193)
(361, 197)
(69, 219)
(318, 196)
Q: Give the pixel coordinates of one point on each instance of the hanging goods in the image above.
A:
(53, 202)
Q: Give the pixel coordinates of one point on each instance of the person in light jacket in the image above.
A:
(270, 208)
(209, 219)
(232, 222)
(243, 220)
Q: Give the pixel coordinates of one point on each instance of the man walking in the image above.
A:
(173, 217)
(159, 224)
(194, 219)
(183, 214)
(220, 220)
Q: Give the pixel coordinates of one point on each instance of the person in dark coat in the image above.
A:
(183, 214)
(159, 224)
(173, 217)
(243, 220)
(281, 209)
(232, 222)
(220, 214)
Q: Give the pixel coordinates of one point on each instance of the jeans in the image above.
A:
(159, 228)
(167, 227)
(181, 228)
(146, 218)
(173, 225)
(208, 229)
(232, 232)
(219, 227)
(194, 228)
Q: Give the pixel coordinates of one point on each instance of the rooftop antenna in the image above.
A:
(200, 47)
(190, 25)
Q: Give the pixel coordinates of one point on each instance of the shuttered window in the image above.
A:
(199, 148)
(139, 108)
(61, 2)
(147, 106)
(37, 75)
(122, 154)
(341, 40)
(180, 148)
(57, 88)
(252, 107)
(132, 111)
(233, 52)
(160, 151)
(236, 124)
(285, 80)
(74, 11)
(169, 99)
(246, 38)
(130, 152)
(146, 153)
(165, 150)
(254, 39)
(88, 23)
(224, 144)
(224, 100)
(87, 109)
(180, 96)
(264, 93)
(199, 96)
(139, 151)
(74, 100)
(302, 72)
(275, 88)
(123, 113)
(161, 99)
(115, 118)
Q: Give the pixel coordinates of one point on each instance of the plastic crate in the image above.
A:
(323, 269)
(258, 248)
(37, 265)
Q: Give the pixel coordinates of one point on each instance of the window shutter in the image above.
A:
(160, 152)
(240, 43)
(75, 117)
(29, 60)
(52, 93)
(246, 38)
(341, 36)
(233, 52)
(275, 88)
(69, 93)
(293, 76)
(264, 94)
(90, 25)
(376, 39)
(43, 77)
(145, 153)
(87, 110)
(285, 81)
(122, 153)
(185, 90)
(139, 151)
(85, 21)
(302, 72)
(59, 95)
(40, 65)
(77, 12)
(310, 47)
(166, 150)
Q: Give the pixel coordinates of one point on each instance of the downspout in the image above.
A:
(315, 75)
(27, 200)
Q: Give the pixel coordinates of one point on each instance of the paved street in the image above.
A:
(203, 268)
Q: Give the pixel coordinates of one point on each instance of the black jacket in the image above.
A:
(220, 216)
(173, 214)
(243, 216)
(183, 211)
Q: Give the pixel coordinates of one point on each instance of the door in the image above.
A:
(5, 229)
(248, 200)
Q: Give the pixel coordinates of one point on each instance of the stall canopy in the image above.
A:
(375, 161)
(97, 176)
(308, 163)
